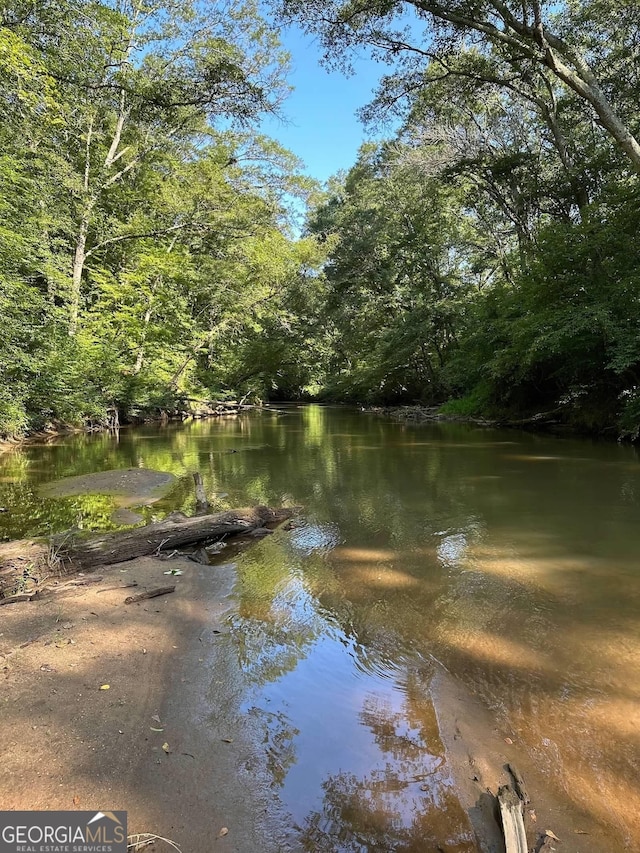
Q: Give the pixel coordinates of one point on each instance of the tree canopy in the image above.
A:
(147, 225)
(482, 257)
(488, 247)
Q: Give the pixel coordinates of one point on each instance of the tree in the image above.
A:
(392, 228)
(137, 81)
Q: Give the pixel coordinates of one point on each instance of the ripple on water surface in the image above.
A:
(350, 732)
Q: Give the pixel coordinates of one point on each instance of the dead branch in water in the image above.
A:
(510, 803)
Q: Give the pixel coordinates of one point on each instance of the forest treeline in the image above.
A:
(488, 253)
(146, 248)
(484, 256)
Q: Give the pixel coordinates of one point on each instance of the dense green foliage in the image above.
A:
(145, 237)
(485, 256)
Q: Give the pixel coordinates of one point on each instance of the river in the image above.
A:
(452, 598)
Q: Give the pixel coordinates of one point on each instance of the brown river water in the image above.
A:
(452, 598)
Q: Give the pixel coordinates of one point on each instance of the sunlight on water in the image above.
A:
(315, 537)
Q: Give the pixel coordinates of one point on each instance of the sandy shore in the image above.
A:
(68, 743)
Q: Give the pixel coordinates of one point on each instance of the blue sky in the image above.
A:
(322, 128)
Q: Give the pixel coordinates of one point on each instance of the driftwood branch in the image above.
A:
(150, 593)
(510, 803)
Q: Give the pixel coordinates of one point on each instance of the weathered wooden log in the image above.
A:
(166, 535)
(515, 838)
(68, 553)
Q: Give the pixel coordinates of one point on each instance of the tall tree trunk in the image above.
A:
(140, 357)
(80, 253)
(536, 43)
(584, 83)
(78, 268)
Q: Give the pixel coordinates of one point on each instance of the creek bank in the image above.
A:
(33, 568)
(547, 422)
(136, 707)
(114, 419)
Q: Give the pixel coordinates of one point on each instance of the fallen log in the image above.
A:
(69, 553)
(164, 535)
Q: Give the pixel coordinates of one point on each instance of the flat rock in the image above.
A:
(132, 486)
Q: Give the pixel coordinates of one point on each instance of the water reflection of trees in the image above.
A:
(278, 742)
(287, 601)
(276, 623)
(405, 805)
(355, 819)
(406, 801)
